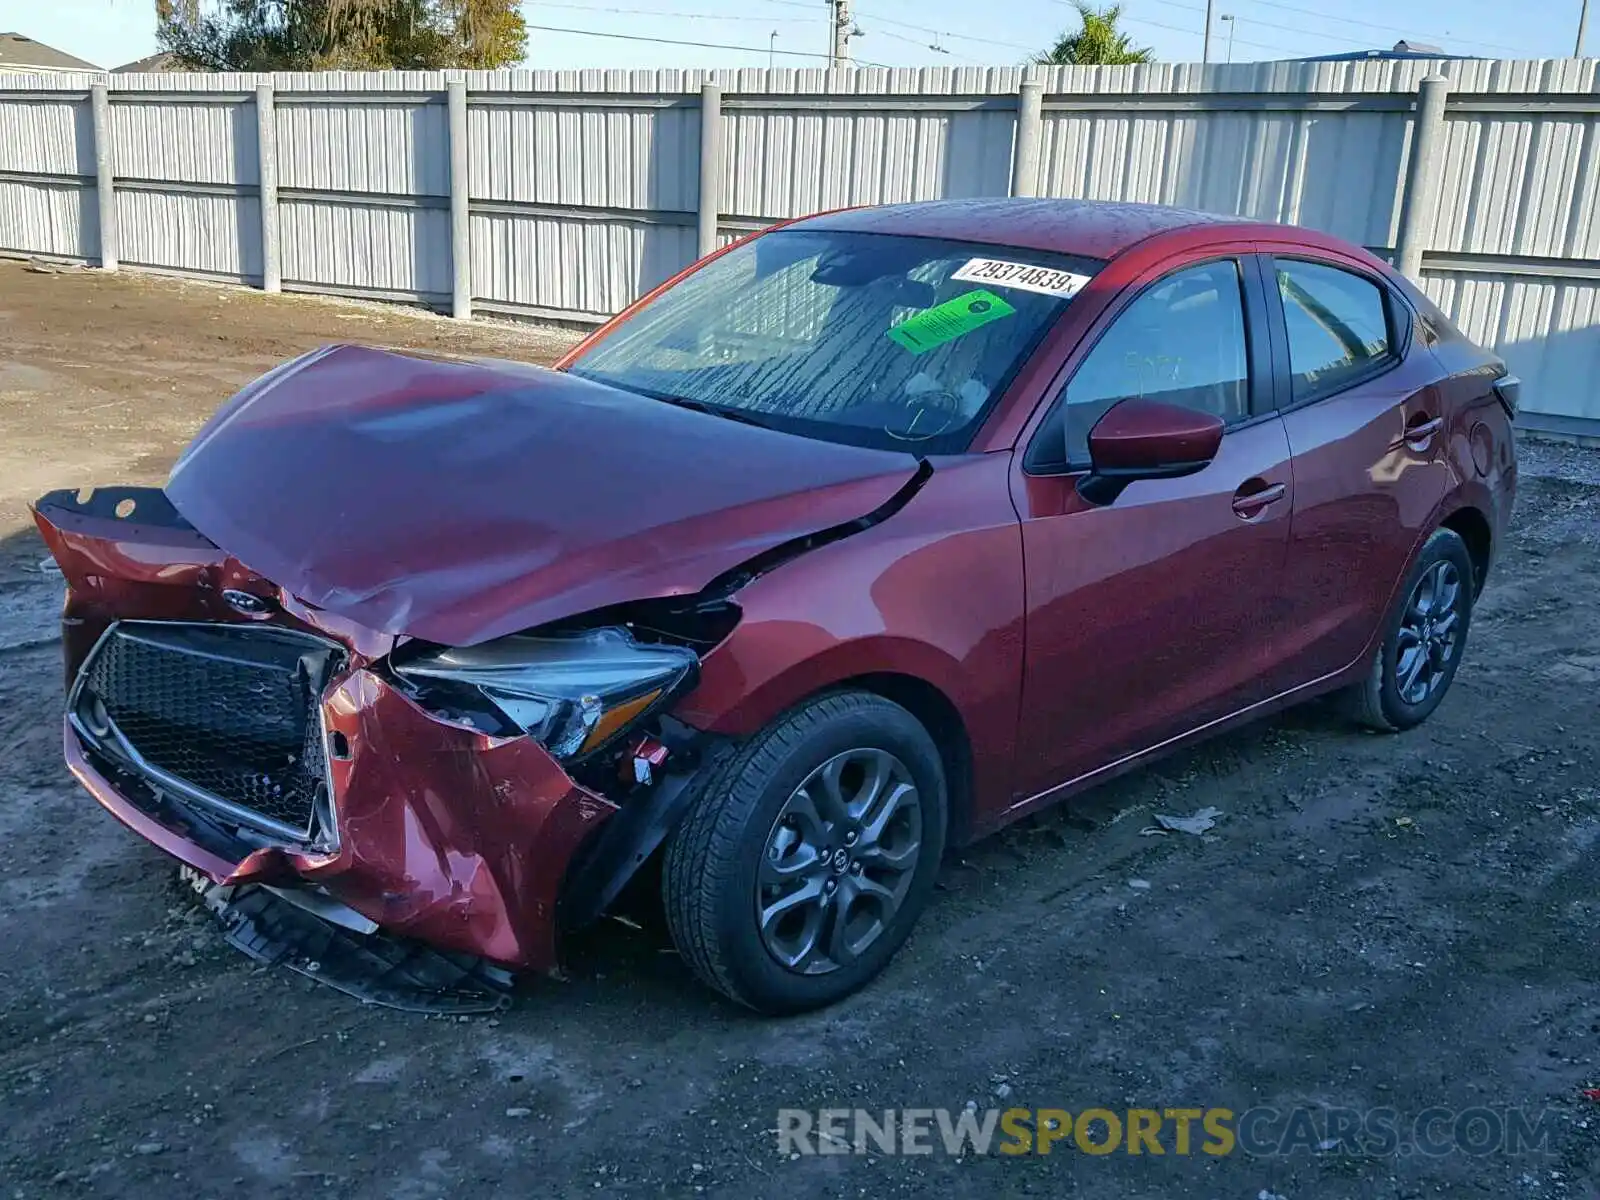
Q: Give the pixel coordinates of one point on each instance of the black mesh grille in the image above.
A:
(230, 710)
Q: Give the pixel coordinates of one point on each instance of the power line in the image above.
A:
(1194, 32)
(949, 35)
(1340, 39)
(966, 37)
(958, 37)
(933, 45)
(1387, 28)
(634, 37)
(1347, 20)
(1198, 33)
(657, 12)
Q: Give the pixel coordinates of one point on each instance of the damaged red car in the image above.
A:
(857, 540)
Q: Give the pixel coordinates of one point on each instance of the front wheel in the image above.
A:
(1424, 637)
(809, 854)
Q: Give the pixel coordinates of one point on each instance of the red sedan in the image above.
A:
(857, 540)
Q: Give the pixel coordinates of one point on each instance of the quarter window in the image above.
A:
(1181, 341)
(1338, 327)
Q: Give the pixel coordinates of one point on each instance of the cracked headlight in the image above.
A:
(572, 693)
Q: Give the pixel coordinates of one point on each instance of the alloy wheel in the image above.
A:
(1429, 633)
(839, 861)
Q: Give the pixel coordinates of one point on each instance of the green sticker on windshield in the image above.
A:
(921, 332)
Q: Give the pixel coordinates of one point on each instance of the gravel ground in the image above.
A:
(1392, 923)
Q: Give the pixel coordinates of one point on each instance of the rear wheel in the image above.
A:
(1424, 638)
(809, 854)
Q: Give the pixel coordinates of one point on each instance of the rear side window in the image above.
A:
(1338, 327)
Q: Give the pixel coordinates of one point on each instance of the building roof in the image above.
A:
(1404, 48)
(155, 64)
(19, 52)
(1091, 228)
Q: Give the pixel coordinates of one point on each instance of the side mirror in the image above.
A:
(1145, 439)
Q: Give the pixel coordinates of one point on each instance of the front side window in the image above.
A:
(874, 339)
(1337, 323)
(1181, 341)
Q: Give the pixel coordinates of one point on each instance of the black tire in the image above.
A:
(712, 872)
(1379, 701)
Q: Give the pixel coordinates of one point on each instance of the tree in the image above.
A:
(1097, 43)
(324, 35)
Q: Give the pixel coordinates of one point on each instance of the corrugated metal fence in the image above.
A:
(566, 194)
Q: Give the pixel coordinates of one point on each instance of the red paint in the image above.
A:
(1142, 434)
(459, 501)
(1053, 641)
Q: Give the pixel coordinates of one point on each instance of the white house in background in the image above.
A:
(20, 53)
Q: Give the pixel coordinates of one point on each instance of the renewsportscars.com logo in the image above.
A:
(1260, 1131)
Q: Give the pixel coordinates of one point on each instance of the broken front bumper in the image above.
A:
(429, 829)
(438, 832)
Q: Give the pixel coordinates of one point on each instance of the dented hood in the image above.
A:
(459, 501)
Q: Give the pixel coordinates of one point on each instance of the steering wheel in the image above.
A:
(938, 411)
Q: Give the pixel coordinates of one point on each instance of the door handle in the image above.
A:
(1251, 504)
(1419, 433)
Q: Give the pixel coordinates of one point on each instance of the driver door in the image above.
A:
(1161, 611)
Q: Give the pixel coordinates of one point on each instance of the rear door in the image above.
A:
(1158, 612)
(1366, 423)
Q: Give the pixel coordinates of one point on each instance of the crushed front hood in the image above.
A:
(459, 501)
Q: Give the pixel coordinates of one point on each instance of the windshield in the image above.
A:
(873, 339)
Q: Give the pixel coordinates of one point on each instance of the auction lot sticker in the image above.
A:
(1047, 281)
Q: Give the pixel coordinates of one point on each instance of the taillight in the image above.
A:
(1508, 390)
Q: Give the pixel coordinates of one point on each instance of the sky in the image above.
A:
(740, 33)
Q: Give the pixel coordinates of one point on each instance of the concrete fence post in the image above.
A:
(267, 178)
(460, 214)
(710, 168)
(1025, 145)
(104, 180)
(1420, 203)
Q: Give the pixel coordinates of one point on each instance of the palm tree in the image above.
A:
(1098, 43)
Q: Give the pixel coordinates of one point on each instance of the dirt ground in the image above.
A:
(1394, 923)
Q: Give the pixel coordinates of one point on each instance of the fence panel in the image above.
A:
(582, 187)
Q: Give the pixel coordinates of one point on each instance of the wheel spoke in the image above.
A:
(1448, 592)
(1438, 586)
(826, 789)
(809, 892)
(1408, 682)
(793, 950)
(899, 858)
(891, 801)
(1443, 627)
(799, 861)
(866, 888)
(808, 822)
(1406, 661)
(878, 772)
(837, 918)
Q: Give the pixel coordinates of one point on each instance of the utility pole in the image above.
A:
(839, 43)
(1583, 20)
(1205, 46)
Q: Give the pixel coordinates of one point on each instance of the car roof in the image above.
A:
(1090, 228)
